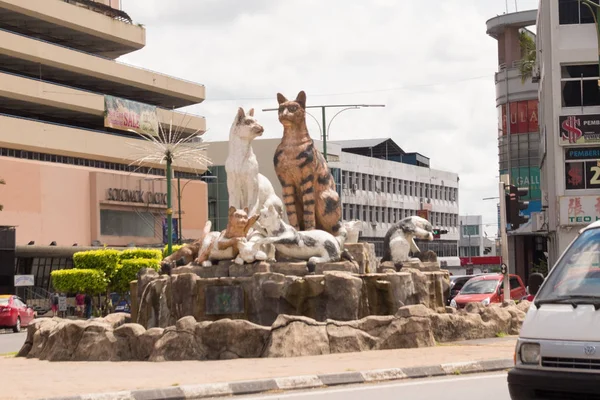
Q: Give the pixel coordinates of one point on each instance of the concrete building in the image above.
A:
(567, 58)
(378, 182)
(71, 116)
(519, 135)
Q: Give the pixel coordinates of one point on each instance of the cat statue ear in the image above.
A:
(251, 112)
(240, 115)
(281, 98)
(246, 210)
(301, 99)
(271, 208)
(231, 210)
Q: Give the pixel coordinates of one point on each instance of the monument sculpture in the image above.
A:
(245, 185)
(399, 240)
(315, 246)
(309, 195)
(224, 245)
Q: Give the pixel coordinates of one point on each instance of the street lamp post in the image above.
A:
(325, 127)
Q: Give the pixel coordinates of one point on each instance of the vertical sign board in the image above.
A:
(62, 303)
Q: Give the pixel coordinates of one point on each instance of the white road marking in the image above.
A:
(371, 387)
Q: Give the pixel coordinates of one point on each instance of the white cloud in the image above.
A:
(431, 63)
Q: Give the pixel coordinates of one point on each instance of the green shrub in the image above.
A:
(90, 281)
(141, 253)
(105, 260)
(127, 272)
(175, 247)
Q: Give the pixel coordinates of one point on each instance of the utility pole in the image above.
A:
(325, 128)
(504, 239)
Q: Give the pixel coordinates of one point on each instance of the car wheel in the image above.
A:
(17, 327)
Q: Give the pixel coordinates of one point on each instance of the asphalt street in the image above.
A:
(11, 342)
(467, 387)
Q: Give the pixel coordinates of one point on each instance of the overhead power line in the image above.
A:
(405, 87)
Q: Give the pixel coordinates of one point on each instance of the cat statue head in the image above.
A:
(353, 229)
(246, 127)
(239, 223)
(269, 219)
(292, 112)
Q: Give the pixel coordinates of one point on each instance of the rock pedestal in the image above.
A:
(110, 339)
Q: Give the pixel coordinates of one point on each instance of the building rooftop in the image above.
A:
(384, 149)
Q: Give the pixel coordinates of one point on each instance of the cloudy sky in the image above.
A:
(430, 62)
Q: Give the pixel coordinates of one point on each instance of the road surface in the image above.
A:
(466, 387)
(11, 342)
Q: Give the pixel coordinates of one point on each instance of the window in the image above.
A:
(579, 85)
(126, 223)
(470, 230)
(514, 283)
(574, 12)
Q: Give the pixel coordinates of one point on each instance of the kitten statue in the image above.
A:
(253, 250)
(316, 246)
(399, 240)
(309, 195)
(224, 245)
(246, 186)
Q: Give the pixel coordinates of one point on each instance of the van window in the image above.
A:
(578, 271)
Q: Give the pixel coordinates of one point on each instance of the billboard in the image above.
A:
(523, 117)
(579, 210)
(130, 116)
(579, 129)
(582, 168)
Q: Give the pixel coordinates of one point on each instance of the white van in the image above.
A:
(558, 351)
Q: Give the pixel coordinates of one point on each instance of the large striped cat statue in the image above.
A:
(309, 195)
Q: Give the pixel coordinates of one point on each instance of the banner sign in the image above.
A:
(130, 116)
(24, 280)
(579, 210)
(579, 129)
(526, 177)
(523, 117)
(582, 168)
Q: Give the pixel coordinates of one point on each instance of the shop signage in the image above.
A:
(582, 168)
(523, 117)
(579, 129)
(526, 177)
(579, 210)
(130, 116)
(136, 196)
(24, 280)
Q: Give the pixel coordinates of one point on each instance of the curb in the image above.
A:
(188, 392)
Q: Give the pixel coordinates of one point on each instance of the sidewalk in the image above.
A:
(36, 379)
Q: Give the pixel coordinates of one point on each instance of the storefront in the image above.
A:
(64, 205)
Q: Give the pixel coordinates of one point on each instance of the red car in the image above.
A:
(14, 313)
(487, 289)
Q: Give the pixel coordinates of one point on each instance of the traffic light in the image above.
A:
(438, 232)
(514, 206)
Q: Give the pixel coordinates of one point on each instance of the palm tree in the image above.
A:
(528, 55)
(2, 182)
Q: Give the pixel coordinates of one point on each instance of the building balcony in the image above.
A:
(517, 90)
(58, 64)
(68, 141)
(80, 24)
(27, 97)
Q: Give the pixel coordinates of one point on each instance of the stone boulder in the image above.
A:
(343, 295)
(226, 339)
(295, 336)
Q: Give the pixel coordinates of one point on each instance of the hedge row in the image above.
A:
(99, 271)
(90, 281)
(175, 247)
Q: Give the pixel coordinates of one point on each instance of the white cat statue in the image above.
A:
(399, 240)
(245, 185)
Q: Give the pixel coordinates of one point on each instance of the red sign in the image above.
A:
(481, 260)
(423, 214)
(523, 117)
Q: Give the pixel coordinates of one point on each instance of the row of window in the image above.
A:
(579, 85)
(85, 162)
(373, 183)
(574, 12)
(376, 214)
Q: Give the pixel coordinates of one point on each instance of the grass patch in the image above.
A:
(14, 353)
(175, 384)
(457, 372)
(501, 334)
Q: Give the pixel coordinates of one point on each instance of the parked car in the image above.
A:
(558, 350)
(14, 313)
(456, 284)
(487, 289)
(121, 304)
